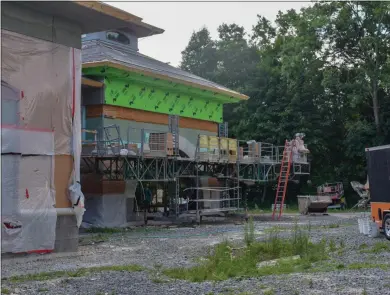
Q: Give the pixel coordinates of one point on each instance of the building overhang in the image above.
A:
(94, 16)
(92, 83)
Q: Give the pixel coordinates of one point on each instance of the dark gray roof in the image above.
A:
(98, 51)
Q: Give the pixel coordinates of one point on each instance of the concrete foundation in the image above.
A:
(67, 234)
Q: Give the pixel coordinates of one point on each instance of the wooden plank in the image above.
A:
(163, 77)
(118, 14)
(110, 10)
(63, 167)
(94, 111)
(92, 83)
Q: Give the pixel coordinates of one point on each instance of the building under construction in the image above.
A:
(89, 124)
(148, 124)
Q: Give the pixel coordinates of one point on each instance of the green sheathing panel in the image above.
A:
(132, 90)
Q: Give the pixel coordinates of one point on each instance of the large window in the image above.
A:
(118, 37)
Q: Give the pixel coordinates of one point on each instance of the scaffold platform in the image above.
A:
(155, 156)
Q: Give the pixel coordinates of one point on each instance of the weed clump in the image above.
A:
(377, 248)
(227, 262)
(81, 272)
(249, 232)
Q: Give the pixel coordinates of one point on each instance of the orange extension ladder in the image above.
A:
(283, 178)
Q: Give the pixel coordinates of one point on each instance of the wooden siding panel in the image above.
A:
(129, 114)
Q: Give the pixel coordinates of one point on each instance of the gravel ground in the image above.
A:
(172, 247)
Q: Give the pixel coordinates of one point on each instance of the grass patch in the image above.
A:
(308, 227)
(115, 230)
(226, 262)
(257, 210)
(249, 232)
(93, 239)
(274, 229)
(156, 274)
(334, 225)
(44, 276)
(231, 292)
(5, 291)
(43, 289)
(104, 230)
(367, 265)
(363, 246)
(377, 248)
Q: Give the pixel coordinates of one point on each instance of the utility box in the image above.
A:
(378, 162)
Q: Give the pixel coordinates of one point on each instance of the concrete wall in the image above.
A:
(18, 18)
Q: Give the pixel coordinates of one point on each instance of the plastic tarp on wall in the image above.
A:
(28, 215)
(110, 210)
(40, 113)
(105, 211)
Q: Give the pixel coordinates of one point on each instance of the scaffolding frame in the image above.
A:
(254, 162)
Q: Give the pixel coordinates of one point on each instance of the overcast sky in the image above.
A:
(181, 19)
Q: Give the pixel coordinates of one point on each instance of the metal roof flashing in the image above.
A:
(376, 148)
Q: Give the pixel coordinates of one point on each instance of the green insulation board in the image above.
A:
(138, 91)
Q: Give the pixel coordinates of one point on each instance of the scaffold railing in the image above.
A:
(149, 155)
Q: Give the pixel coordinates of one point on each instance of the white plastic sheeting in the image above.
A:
(41, 93)
(27, 142)
(77, 198)
(28, 214)
(42, 72)
(76, 195)
(105, 211)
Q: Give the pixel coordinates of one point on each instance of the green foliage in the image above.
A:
(81, 272)
(377, 248)
(226, 262)
(324, 71)
(249, 232)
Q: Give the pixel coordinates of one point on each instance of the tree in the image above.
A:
(199, 57)
(359, 34)
(323, 70)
